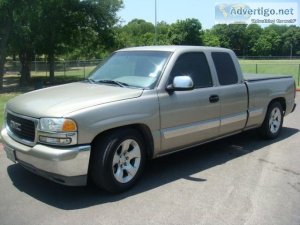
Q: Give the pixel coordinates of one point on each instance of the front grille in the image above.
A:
(22, 128)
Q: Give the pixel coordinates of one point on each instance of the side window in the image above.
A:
(225, 68)
(195, 65)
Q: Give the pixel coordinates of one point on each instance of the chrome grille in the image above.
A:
(22, 128)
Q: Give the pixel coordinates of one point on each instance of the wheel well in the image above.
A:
(282, 101)
(142, 129)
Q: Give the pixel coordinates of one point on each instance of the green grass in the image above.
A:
(3, 99)
(273, 61)
(79, 72)
(276, 67)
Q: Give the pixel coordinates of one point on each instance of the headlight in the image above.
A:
(57, 131)
(57, 125)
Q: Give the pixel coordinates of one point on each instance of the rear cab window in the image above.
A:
(225, 68)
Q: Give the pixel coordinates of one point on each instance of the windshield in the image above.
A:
(139, 69)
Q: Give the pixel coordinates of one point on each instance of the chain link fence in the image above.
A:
(67, 71)
(274, 67)
(78, 68)
(64, 72)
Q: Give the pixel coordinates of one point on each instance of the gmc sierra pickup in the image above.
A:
(139, 104)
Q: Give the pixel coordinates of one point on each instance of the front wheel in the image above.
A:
(117, 160)
(272, 124)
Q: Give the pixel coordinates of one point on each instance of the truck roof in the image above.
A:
(173, 48)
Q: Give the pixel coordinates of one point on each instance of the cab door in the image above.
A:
(233, 94)
(193, 116)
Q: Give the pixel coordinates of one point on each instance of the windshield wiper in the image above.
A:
(120, 84)
(91, 80)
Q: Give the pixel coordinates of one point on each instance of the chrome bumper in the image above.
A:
(67, 166)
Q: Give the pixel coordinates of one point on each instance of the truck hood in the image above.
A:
(61, 100)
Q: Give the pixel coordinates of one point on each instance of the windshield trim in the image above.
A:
(162, 71)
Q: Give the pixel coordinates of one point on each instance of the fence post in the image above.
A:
(256, 69)
(35, 65)
(84, 69)
(47, 68)
(299, 75)
(64, 68)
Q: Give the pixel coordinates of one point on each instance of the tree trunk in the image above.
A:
(4, 34)
(25, 59)
(2, 62)
(51, 67)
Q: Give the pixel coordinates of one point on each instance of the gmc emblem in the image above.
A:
(15, 125)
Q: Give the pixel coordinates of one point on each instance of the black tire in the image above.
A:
(117, 177)
(272, 124)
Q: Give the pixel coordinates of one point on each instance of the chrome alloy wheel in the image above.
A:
(275, 120)
(126, 161)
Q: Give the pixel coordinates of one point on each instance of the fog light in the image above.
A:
(56, 141)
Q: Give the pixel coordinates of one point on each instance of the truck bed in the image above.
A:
(252, 77)
(262, 88)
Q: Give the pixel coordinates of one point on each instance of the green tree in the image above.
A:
(162, 33)
(279, 29)
(267, 44)
(22, 38)
(55, 27)
(237, 38)
(138, 33)
(221, 32)
(231, 36)
(210, 39)
(5, 28)
(291, 41)
(96, 36)
(253, 32)
(122, 37)
(275, 31)
(8, 8)
(186, 32)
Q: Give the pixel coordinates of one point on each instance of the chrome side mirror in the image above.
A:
(181, 83)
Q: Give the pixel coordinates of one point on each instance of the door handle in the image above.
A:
(214, 98)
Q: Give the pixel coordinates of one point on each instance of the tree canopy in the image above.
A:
(186, 32)
(86, 29)
(54, 27)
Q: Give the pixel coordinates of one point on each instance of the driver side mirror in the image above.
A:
(181, 83)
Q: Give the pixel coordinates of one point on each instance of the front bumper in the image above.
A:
(65, 165)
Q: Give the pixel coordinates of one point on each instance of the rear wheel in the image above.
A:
(117, 160)
(272, 124)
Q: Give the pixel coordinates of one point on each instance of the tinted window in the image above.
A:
(225, 68)
(194, 65)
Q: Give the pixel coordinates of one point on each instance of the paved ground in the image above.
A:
(238, 180)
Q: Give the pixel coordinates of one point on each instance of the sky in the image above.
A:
(172, 10)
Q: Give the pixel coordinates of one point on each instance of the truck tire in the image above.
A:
(117, 160)
(272, 124)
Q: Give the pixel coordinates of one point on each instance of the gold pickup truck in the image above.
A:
(141, 103)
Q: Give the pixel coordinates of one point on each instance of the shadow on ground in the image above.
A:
(161, 171)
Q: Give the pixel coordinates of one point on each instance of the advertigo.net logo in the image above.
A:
(261, 13)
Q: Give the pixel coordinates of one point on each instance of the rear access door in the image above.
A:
(233, 94)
